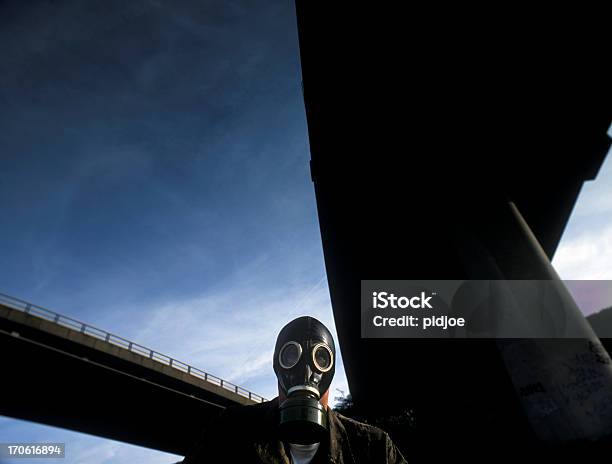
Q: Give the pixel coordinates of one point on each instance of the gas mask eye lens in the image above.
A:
(322, 357)
(289, 355)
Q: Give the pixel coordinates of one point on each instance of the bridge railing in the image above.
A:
(116, 340)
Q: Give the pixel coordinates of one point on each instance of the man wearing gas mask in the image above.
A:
(298, 426)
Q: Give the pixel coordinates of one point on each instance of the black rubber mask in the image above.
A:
(304, 363)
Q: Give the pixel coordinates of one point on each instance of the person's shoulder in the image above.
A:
(371, 443)
(356, 428)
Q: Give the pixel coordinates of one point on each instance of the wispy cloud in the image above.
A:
(230, 332)
(80, 448)
(585, 250)
(587, 256)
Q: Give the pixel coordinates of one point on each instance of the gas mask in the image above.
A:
(304, 363)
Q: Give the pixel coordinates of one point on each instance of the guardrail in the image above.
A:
(65, 321)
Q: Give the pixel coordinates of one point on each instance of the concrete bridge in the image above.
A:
(62, 372)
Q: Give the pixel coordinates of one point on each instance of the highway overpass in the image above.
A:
(446, 147)
(62, 372)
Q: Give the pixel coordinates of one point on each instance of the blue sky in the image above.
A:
(154, 183)
(585, 251)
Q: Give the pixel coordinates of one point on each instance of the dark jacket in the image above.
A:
(246, 434)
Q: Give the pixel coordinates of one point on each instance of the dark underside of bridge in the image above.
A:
(421, 133)
(56, 381)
